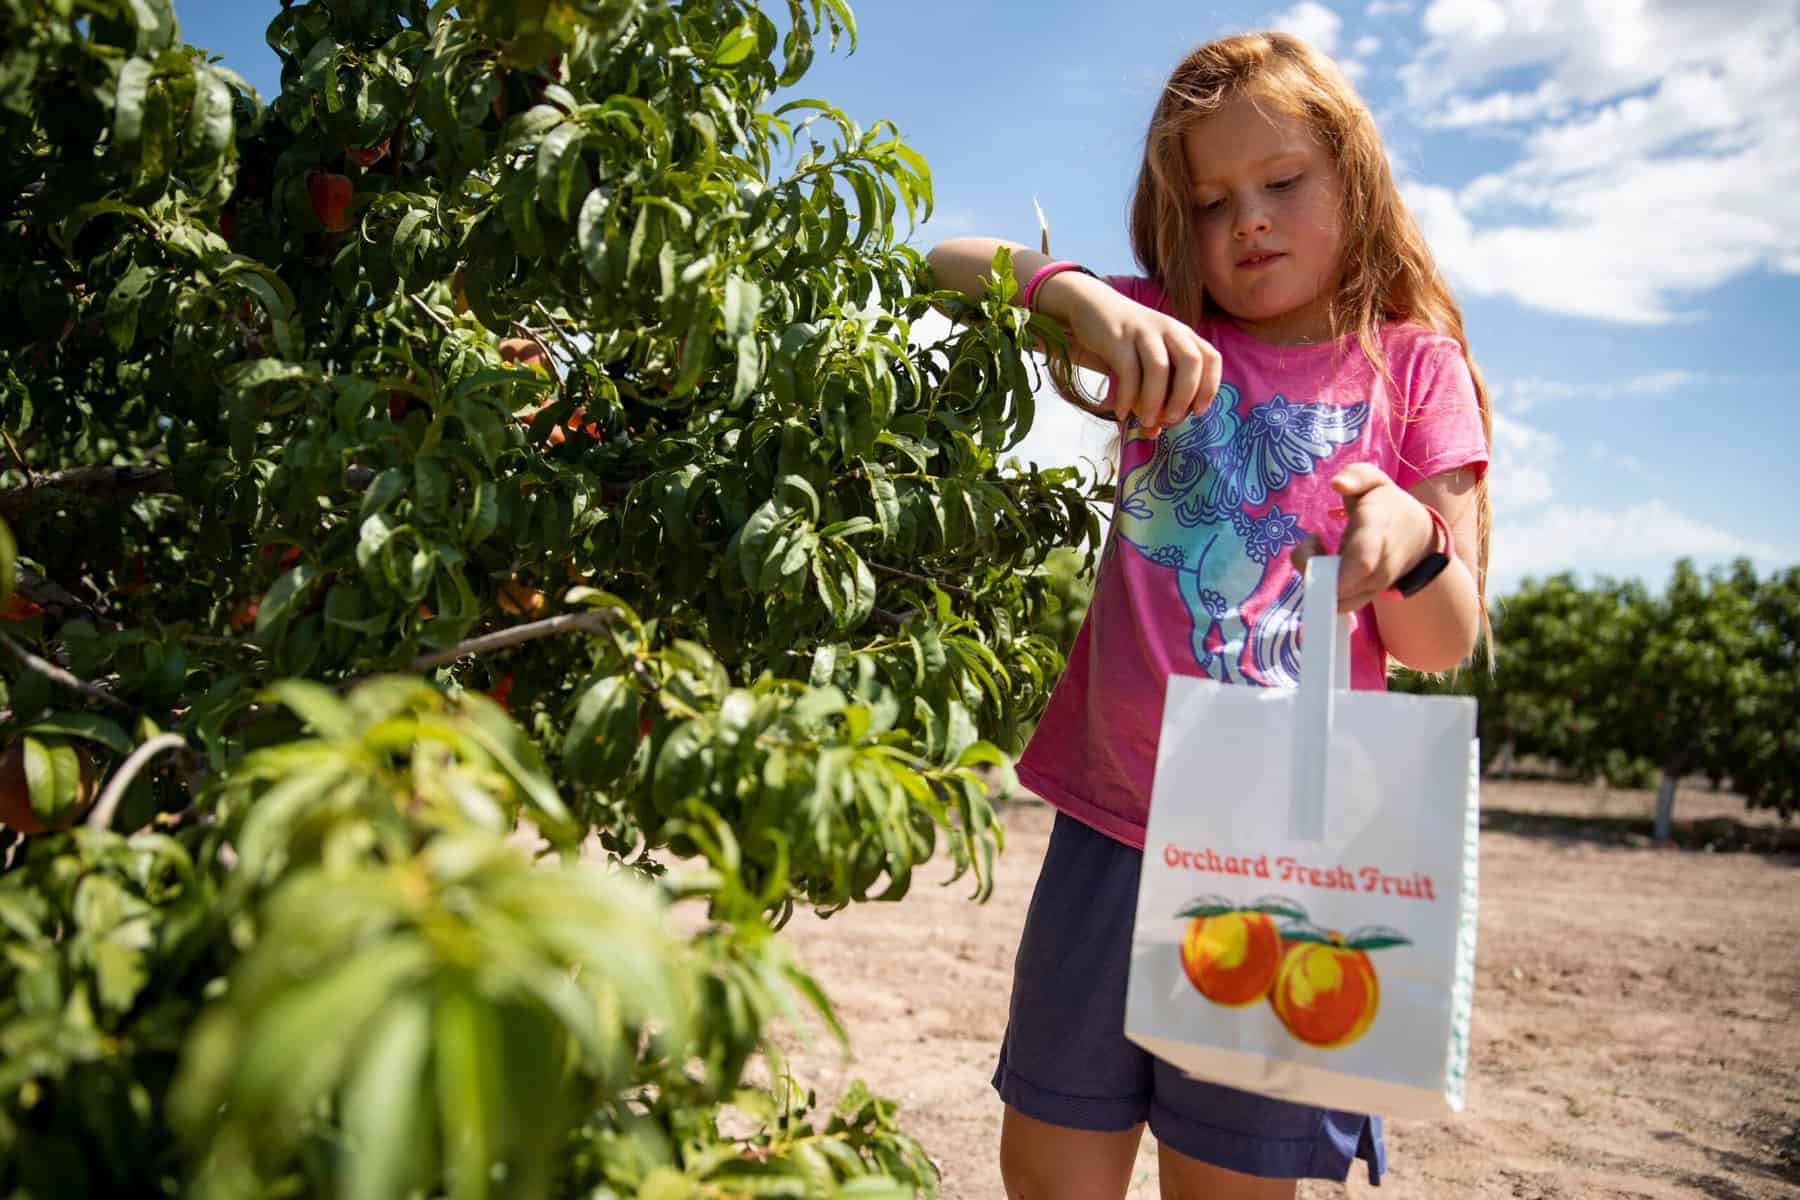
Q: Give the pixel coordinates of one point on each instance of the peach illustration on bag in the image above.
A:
(1231, 952)
(1326, 992)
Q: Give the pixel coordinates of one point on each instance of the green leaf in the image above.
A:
(737, 45)
(753, 542)
(318, 706)
(387, 1115)
(288, 591)
(123, 303)
(1376, 937)
(1207, 906)
(603, 734)
(1277, 906)
(559, 154)
(88, 726)
(9, 562)
(468, 1043)
(128, 105)
(590, 232)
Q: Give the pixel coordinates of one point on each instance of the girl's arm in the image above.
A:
(1162, 370)
(1388, 531)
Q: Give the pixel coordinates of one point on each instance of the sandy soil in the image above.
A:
(1637, 1018)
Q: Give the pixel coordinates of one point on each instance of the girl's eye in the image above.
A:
(1282, 185)
(1210, 206)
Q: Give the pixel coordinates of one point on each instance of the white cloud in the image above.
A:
(1520, 396)
(1386, 8)
(1312, 22)
(1538, 531)
(1655, 148)
(1365, 46)
(1640, 540)
(1523, 459)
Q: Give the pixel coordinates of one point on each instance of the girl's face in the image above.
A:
(1267, 215)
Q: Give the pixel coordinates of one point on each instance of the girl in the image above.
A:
(1289, 375)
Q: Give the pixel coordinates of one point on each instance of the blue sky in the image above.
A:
(1609, 183)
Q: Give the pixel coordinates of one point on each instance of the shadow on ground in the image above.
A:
(1719, 835)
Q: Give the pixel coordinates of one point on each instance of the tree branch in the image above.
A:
(102, 816)
(56, 674)
(432, 313)
(528, 331)
(897, 573)
(86, 483)
(585, 622)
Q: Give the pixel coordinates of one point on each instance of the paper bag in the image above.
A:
(1306, 912)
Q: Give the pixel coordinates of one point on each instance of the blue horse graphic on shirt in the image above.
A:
(1190, 509)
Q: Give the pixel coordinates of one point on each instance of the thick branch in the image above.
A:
(85, 484)
(56, 674)
(102, 816)
(585, 622)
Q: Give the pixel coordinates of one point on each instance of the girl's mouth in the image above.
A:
(1261, 258)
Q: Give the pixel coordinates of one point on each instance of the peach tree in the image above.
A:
(480, 545)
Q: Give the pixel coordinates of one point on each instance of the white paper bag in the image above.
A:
(1306, 913)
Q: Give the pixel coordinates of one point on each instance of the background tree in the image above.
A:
(1612, 680)
(525, 349)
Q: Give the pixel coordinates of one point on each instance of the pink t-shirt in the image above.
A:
(1195, 577)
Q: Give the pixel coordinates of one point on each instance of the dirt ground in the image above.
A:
(1637, 1013)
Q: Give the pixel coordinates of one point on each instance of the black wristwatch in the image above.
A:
(1429, 567)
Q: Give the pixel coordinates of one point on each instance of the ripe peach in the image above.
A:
(1231, 957)
(367, 156)
(522, 600)
(18, 608)
(330, 195)
(1326, 994)
(523, 351)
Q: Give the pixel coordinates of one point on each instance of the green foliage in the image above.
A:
(534, 350)
(1612, 681)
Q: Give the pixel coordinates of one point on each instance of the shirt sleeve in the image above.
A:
(1139, 288)
(1443, 428)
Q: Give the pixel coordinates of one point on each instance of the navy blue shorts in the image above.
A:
(1065, 1059)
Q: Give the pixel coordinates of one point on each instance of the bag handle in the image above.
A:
(1324, 670)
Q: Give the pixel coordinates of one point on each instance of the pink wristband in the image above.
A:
(1044, 272)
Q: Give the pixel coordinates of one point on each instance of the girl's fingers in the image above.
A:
(1309, 546)
(1184, 385)
(1211, 376)
(1357, 480)
(1153, 385)
(1125, 383)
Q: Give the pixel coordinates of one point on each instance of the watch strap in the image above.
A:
(1432, 565)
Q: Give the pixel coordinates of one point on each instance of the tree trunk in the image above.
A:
(1665, 801)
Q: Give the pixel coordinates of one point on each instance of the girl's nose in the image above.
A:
(1251, 221)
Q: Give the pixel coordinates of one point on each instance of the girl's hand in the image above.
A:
(1387, 533)
(1163, 372)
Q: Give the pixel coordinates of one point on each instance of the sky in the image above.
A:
(1610, 186)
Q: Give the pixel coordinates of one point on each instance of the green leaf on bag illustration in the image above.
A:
(1208, 906)
(1305, 931)
(1277, 906)
(1376, 937)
